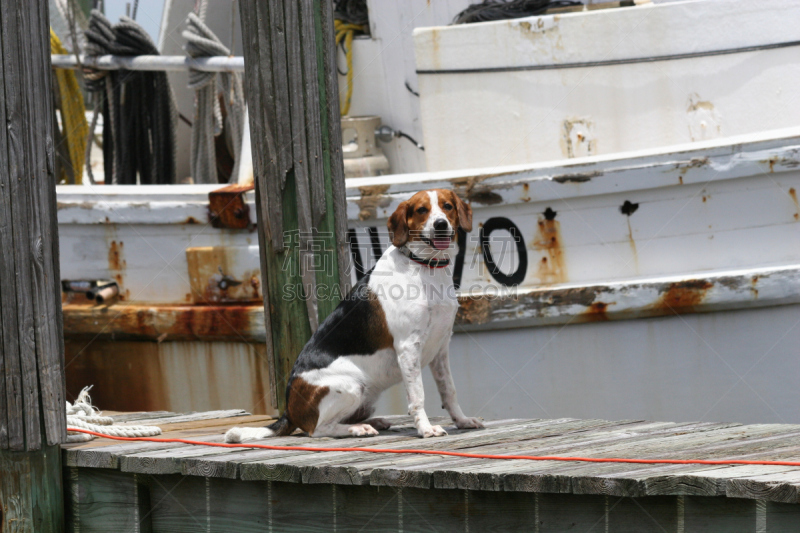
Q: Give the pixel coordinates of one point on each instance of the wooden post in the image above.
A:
(32, 417)
(292, 94)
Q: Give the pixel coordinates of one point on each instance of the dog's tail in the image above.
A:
(280, 428)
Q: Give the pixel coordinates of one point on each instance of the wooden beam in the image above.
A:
(292, 93)
(32, 419)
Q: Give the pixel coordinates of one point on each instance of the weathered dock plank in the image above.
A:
(179, 487)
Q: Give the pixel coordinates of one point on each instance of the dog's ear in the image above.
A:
(464, 214)
(398, 225)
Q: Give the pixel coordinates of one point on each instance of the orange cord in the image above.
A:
(454, 454)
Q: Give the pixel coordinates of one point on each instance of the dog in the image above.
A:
(396, 320)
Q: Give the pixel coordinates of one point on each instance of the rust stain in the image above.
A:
(463, 186)
(526, 195)
(179, 322)
(533, 31)
(117, 266)
(115, 260)
(79, 205)
(583, 296)
(582, 143)
(632, 244)
(227, 207)
(552, 267)
(474, 310)
(215, 322)
(191, 220)
(683, 296)
(437, 62)
(211, 283)
(119, 392)
(136, 378)
(371, 199)
(753, 286)
(696, 162)
(596, 312)
(793, 194)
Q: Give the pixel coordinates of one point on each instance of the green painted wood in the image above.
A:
(729, 515)
(782, 517)
(237, 507)
(179, 504)
(288, 83)
(633, 515)
(101, 500)
(31, 491)
(557, 512)
(334, 227)
(107, 500)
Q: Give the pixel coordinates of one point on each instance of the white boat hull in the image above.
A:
(612, 80)
(682, 307)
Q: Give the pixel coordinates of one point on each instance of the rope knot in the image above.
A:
(82, 414)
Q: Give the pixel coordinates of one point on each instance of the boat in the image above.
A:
(637, 256)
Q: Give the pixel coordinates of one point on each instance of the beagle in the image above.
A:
(397, 320)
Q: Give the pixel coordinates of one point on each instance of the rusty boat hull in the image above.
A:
(659, 284)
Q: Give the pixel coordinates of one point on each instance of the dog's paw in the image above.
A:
(362, 430)
(433, 431)
(469, 423)
(236, 435)
(378, 423)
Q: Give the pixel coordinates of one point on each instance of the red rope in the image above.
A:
(455, 454)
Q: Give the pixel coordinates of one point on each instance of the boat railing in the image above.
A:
(149, 63)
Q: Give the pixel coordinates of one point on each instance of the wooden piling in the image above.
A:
(32, 419)
(292, 94)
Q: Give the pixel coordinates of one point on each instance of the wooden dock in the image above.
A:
(137, 486)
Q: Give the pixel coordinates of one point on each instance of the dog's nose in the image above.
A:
(440, 225)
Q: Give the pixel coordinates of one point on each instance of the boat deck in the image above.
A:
(141, 486)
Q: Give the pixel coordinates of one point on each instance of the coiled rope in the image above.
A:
(208, 121)
(139, 112)
(84, 422)
(489, 10)
(73, 114)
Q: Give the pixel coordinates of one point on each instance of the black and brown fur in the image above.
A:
(356, 327)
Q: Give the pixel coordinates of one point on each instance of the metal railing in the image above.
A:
(150, 63)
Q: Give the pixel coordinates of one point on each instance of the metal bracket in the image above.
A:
(228, 209)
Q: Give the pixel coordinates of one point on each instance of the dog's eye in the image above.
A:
(422, 210)
(447, 206)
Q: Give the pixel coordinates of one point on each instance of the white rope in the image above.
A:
(83, 415)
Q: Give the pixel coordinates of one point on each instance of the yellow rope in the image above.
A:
(73, 113)
(345, 31)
